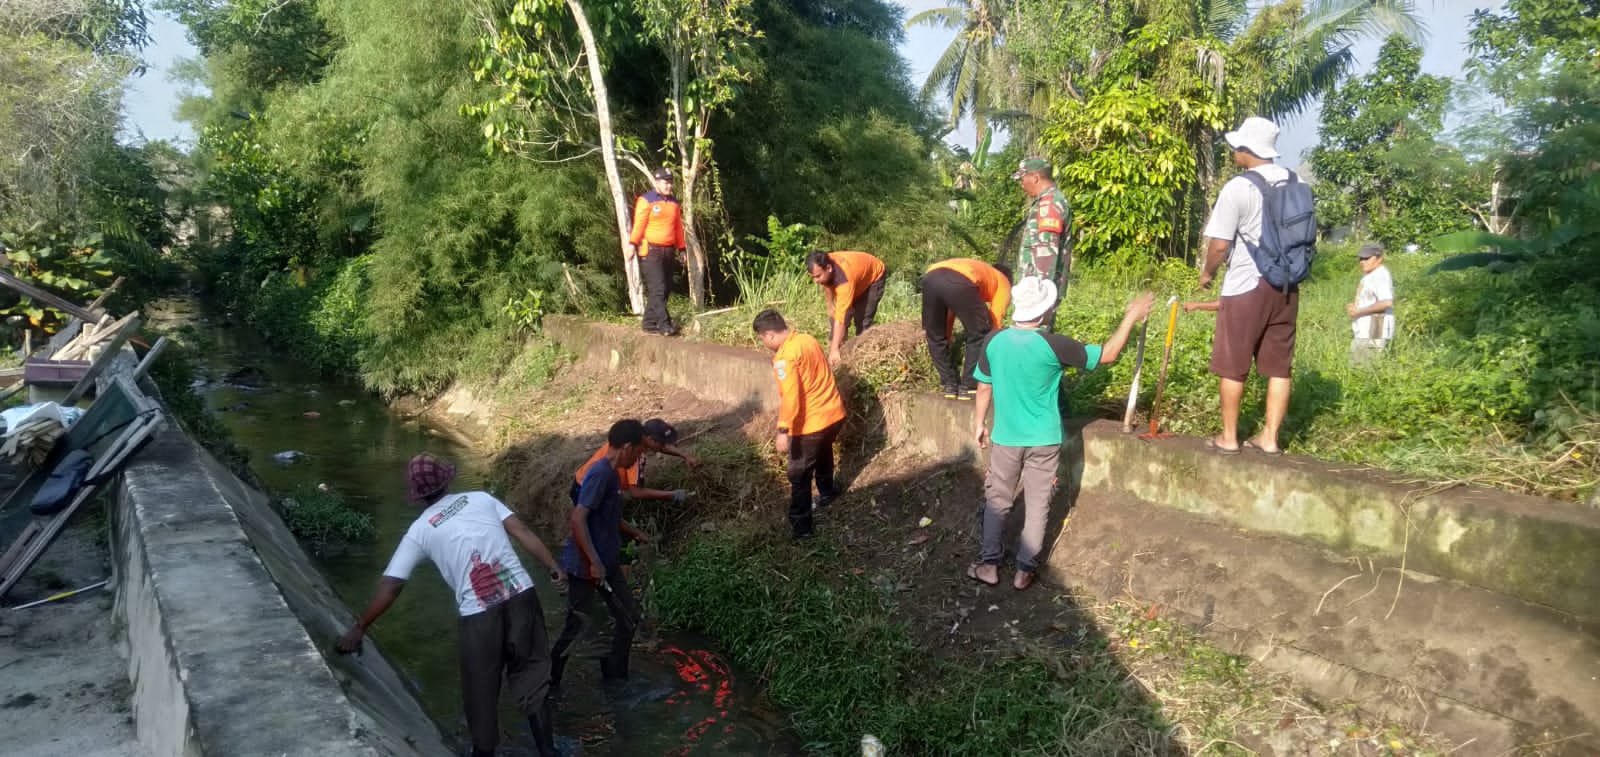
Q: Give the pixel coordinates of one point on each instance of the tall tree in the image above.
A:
(704, 41)
(969, 68)
(1378, 161)
(546, 107)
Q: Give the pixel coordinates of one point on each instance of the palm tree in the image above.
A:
(965, 72)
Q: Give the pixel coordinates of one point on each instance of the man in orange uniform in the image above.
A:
(659, 436)
(852, 284)
(658, 223)
(973, 291)
(809, 416)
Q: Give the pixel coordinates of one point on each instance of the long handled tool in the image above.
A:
(62, 595)
(1161, 382)
(1138, 368)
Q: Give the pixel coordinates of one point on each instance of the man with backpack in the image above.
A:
(1262, 226)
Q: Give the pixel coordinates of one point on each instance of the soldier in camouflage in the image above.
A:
(1047, 228)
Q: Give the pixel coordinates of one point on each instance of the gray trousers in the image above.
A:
(1034, 469)
(1363, 350)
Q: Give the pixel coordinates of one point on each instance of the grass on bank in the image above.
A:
(1491, 380)
(834, 653)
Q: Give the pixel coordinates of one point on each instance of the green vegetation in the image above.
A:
(843, 659)
(76, 207)
(323, 517)
(836, 659)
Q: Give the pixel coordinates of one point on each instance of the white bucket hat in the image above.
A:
(1031, 298)
(1256, 134)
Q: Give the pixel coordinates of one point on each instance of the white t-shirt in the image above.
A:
(465, 536)
(1237, 215)
(1375, 288)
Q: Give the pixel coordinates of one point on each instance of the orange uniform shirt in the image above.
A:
(657, 220)
(860, 271)
(992, 284)
(629, 475)
(810, 401)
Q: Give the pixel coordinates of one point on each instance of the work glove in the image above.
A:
(679, 496)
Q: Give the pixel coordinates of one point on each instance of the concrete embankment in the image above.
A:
(1455, 609)
(229, 625)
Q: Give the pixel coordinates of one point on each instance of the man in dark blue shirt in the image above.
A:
(592, 556)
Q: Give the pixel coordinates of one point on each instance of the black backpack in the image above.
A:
(1288, 231)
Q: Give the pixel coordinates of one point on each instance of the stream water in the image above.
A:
(683, 698)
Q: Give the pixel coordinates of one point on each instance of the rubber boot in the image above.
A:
(558, 665)
(543, 726)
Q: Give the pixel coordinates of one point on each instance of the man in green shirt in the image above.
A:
(1019, 373)
(1046, 229)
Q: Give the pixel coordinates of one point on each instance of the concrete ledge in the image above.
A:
(1541, 551)
(212, 589)
(1535, 550)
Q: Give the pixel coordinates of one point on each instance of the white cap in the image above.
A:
(1031, 298)
(1256, 134)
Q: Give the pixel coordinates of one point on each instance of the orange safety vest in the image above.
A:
(657, 220)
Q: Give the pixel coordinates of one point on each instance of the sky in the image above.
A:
(152, 98)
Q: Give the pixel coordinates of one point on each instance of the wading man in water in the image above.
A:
(468, 536)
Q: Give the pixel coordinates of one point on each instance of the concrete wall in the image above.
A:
(1537, 550)
(229, 625)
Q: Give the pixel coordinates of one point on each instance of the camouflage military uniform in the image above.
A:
(1045, 251)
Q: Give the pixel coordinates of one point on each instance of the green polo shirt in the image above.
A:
(1024, 366)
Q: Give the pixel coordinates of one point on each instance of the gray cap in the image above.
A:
(660, 430)
(1370, 251)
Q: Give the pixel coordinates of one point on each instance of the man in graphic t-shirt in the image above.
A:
(1019, 373)
(593, 554)
(468, 537)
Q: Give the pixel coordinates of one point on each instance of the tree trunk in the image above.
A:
(689, 166)
(608, 154)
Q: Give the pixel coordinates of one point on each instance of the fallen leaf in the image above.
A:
(922, 537)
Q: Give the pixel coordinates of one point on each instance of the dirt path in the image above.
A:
(63, 679)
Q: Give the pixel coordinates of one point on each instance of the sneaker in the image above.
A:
(967, 395)
(819, 502)
(952, 393)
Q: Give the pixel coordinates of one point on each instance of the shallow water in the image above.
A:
(683, 697)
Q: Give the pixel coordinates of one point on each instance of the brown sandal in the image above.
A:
(972, 573)
(1022, 580)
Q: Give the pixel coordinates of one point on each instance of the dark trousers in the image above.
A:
(945, 292)
(506, 640)
(810, 457)
(656, 270)
(865, 309)
(624, 621)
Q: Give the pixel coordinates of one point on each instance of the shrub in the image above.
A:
(323, 517)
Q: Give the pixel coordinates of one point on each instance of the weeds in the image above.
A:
(323, 517)
(836, 658)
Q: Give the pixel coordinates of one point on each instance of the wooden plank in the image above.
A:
(88, 314)
(149, 359)
(39, 535)
(103, 361)
(110, 290)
